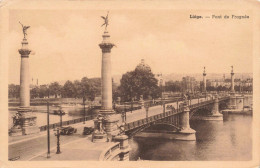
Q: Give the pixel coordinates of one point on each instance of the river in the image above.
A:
(227, 140)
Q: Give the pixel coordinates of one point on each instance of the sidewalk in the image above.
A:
(82, 149)
(16, 139)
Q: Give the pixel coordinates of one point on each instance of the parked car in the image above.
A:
(88, 130)
(68, 130)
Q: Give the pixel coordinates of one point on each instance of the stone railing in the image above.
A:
(118, 151)
(110, 152)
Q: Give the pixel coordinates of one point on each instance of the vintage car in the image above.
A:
(58, 112)
(68, 130)
(88, 130)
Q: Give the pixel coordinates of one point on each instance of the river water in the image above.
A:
(227, 140)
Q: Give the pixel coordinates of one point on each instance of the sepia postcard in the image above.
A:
(129, 83)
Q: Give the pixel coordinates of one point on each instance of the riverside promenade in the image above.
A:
(73, 147)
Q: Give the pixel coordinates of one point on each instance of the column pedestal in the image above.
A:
(27, 123)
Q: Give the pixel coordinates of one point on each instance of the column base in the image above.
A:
(16, 131)
(109, 126)
(25, 123)
(99, 137)
(110, 122)
(31, 130)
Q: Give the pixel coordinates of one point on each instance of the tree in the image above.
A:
(55, 89)
(35, 92)
(95, 88)
(173, 86)
(13, 91)
(139, 82)
(43, 91)
(68, 89)
(85, 87)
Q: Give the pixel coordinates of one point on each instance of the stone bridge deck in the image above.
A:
(156, 114)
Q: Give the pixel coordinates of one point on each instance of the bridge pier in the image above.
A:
(232, 102)
(186, 133)
(215, 111)
(238, 105)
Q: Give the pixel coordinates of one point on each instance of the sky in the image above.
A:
(64, 43)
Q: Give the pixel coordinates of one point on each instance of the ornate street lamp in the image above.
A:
(84, 108)
(147, 109)
(58, 141)
(48, 129)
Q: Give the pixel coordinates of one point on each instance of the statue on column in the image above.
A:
(105, 21)
(24, 30)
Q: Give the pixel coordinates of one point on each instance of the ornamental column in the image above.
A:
(24, 120)
(109, 119)
(204, 81)
(232, 80)
(106, 77)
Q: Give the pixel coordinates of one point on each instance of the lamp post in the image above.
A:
(163, 107)
(125, 113)
(84, 108)
(177, 104)
(48, 129)
(58, 141)
(161, 94)
(146, 109)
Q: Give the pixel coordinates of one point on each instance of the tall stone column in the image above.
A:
(24, 120)
(204, 81)
(110, 120)
(232, 81)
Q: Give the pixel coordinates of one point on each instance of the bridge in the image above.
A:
(173, 122)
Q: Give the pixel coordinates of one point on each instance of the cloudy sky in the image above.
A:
(65, 42)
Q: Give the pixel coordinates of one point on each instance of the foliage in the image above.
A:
(173, 86)
(138, 82)
(55, 89)
(13, 91)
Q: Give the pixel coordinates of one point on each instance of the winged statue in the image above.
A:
(24, 29)
(105, 20)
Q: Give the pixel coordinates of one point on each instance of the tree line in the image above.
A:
(133, 85)
(88, 88)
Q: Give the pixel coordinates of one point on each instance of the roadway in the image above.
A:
(28, 147)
